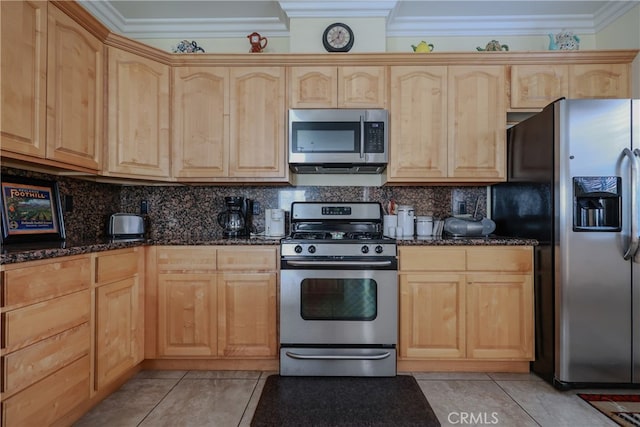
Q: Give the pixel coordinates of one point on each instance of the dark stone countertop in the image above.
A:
(22, 252)
(490, 240)
(34, 251)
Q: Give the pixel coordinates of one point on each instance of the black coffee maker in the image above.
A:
(235, 220)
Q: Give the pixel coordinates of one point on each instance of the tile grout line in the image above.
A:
(163, 397)
(515, 401)
(250, 397)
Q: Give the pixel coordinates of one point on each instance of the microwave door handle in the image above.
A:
(361, 137)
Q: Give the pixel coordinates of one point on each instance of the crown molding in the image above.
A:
(334, 9)
(397, 26)
(612, 11)
(520, 25)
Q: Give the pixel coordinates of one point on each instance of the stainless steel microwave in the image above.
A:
(338, 140)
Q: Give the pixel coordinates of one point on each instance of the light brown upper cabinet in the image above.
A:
(200, 122)
(536, 85)
(229, 124)
(447, 124)
(75, 105)
(138, 116)
(476, 126)
(599, 81)
(337, 87)
(257, 129)
(23, 88)
(418, 123)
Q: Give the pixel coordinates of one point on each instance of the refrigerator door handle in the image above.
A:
(633, 240)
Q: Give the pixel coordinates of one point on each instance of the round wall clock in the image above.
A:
(338, 38)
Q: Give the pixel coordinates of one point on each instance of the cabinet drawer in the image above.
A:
(191, 259)
(35, 283)
(517, 258)
(30, 364)
(247, 259)
(46, 401)
(432, 259)
(116, 265)
(27, 325)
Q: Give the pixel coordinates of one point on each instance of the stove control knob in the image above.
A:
(379, 249)
(364, 249)
(298, 249)
(312, 249)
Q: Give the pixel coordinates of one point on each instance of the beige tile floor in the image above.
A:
(229, 398)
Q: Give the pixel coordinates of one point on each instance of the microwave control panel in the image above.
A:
(374, 137)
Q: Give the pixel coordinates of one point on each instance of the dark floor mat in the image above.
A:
(343, 401)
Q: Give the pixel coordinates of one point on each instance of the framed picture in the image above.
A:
(31, 210)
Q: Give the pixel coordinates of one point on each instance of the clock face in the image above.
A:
(337, 38)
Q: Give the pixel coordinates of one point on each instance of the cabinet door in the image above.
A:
(418, 133)
(23, 90)
(258, 123)
(432, 315)
(200, 125)
(362, 87)
(599, 81)
(118, 335)
(536, 86)
(500, 316)
(313, 87)
(187, 315)
(75, 106)
(138, 120)
(477, 129)
(247, 315)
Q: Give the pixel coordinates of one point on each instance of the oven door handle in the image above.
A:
(338, 263)
(379, 356)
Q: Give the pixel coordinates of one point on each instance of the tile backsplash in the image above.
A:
(191, 210)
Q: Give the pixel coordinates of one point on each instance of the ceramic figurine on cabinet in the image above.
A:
(258, 43)
(423, 47)
(493, 45)
(186, 46)
(564, 40)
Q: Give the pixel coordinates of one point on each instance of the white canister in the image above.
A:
(406, 218)
(424, 226)
(390, 222)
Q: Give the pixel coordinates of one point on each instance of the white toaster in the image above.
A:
(125, 225)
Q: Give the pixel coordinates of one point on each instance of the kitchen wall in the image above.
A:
(190, 212)
(624, 33)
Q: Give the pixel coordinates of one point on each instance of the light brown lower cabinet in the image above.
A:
(466, 304)
(119, 313)
(187, 314)
(46, 340)
(216, 302)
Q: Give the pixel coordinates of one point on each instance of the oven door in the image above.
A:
(339, 307)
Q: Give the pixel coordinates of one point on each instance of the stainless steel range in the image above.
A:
(338, 292)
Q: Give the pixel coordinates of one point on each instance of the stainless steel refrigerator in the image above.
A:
(573, 172)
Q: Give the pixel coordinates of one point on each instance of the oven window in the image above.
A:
(338, 299)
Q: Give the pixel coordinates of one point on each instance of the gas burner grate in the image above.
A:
(311, 235)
